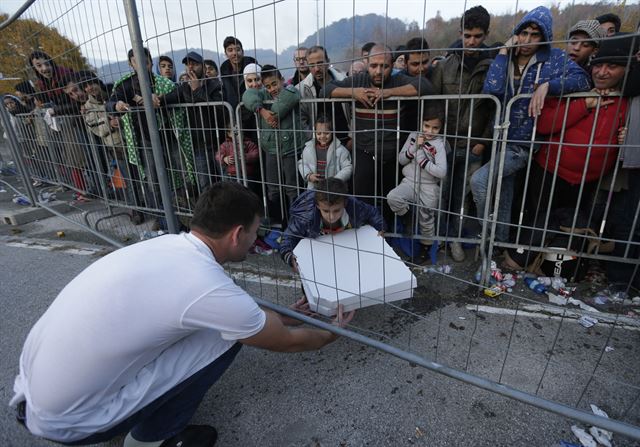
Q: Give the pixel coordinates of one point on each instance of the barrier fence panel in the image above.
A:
(132, 159)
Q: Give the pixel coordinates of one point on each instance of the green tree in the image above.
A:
(22, 37)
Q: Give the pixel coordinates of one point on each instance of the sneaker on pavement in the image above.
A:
(457, 253)
(193, 436)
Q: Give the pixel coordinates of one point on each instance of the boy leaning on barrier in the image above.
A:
(527, 64)
(424, 161)
(281, 134)
(329, 209)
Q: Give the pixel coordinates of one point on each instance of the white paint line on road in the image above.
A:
(46, 245)
(569, 316)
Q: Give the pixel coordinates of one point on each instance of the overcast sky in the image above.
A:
(99, 26)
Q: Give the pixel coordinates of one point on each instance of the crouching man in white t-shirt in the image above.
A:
(134, 342)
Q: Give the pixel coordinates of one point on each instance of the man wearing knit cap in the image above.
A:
(204, 121)
(584, 41)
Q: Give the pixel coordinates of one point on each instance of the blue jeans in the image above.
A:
(515, 159)
(170, 413)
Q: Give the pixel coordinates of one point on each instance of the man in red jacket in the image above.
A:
(581, 134)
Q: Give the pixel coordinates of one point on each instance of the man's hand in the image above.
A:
(155, 99)
(270, 117)
(342, 319)
(194, 82)
(122, 106)
(300, 306)
(510, 43)
(294, 264)
(367, 96)
(622, 135)
(478, 149)
(138, 100)
(381, 233)
(537, 100)
(229, 159)
(314, 178)
(592, 102)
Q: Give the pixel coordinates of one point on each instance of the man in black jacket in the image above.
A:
(204, 121)
(231, 70)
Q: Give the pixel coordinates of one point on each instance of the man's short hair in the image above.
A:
(165, 59)
(269, 71)
(211, 63)
(476, 17)
(302, 49)
(610, 17)
(331, 191)
(230, 40)
(367, 47)
(130, 53)
(316, 49)
(223, 206)
(417, 45)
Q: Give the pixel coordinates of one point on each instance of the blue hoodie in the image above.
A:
(563, 75)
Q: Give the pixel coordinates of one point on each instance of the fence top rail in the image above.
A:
(16, 15)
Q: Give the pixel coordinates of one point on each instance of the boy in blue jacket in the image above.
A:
(526, 64)
(326, 210)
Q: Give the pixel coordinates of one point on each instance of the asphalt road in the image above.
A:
(352, 395)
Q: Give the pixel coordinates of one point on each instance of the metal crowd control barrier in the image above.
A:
(596, 211)
(53, 157)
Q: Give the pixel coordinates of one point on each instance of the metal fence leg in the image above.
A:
(17, 156)
(131, 11)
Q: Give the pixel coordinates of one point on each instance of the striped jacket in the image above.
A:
(384, 118)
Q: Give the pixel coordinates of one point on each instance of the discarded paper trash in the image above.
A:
(587, 321)
(585, 438)
(355, 268)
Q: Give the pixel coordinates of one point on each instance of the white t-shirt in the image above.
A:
(127, 329)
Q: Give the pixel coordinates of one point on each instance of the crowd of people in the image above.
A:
(427, 162)
(134, 342)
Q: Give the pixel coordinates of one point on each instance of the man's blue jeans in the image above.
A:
(515, 159)
(170, 413)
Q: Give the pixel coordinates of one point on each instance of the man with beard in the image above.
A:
(301, 64)
(203, 121)
(321, 73)
(376, 120)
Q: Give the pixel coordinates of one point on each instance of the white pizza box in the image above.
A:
(356, 268)
(364, 302)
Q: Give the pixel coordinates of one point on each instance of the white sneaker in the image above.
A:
(457, 253)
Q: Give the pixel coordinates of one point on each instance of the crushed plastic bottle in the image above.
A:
(534, 285)
(21, 200)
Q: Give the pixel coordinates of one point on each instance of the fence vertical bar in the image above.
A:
(133, 24)
(17, 156)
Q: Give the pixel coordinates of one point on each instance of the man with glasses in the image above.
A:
(321, 73)
(302, 69)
